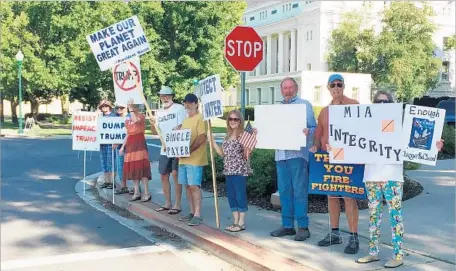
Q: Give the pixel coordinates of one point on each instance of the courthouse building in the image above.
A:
(295, 35)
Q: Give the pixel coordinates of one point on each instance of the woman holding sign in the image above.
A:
(136, 161)
(236, 169)
(385, 181)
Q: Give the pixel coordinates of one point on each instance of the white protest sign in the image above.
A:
(280, 126)
(118, 42)
(365, 134)
(422, 128)
(127, 81)
(111, 130)
(84, 130)
(211, 97)
(178, 143)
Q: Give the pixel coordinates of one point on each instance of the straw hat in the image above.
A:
(104, 102)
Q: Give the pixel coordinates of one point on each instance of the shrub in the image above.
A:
(261, 183)
(411, 166)
(448, 136)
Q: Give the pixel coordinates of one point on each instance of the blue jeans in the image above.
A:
(237, 192)
(293, 181)
(190, 175)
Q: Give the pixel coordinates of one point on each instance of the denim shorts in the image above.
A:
(190, 175)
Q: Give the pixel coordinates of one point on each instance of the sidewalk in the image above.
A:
(432, 235)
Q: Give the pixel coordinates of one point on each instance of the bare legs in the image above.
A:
(351, 212)
(167, 190)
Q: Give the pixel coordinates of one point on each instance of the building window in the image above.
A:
(272, 94)
(263, 15)
(274, 12)
(259, 95)
(311, 32)
(247, 96)
(445, 71)
(295, 5)
(317, 94)
(309, 66)
(355, 93)
(252, 18)
(307, 35)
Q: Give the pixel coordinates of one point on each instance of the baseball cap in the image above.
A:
(120, 104)
(334, 77)
(166, 91)
(191, 98)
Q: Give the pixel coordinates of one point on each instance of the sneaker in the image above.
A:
(302, 234)
(353, 245)
(187, 217)
(368, 259)
(330, 239)
(195, 221)
(393, 263)
(280, 232)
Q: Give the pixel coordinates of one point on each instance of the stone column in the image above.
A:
(269, 55)
(293, 51)
(280, 57)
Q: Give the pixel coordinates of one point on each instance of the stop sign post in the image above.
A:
(244, 51)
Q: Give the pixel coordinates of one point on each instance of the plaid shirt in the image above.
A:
(311, 124)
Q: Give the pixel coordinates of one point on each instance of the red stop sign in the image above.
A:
(243, 48)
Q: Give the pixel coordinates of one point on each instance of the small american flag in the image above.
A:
(248, 137)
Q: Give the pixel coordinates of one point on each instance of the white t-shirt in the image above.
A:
(170, 118)
(383, 173)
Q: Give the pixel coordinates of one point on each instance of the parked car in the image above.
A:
(449, 106)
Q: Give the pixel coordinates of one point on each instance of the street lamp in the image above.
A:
(19, 58)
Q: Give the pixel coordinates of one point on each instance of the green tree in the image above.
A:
(450, 43)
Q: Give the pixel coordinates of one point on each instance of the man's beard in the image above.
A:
(167, 103)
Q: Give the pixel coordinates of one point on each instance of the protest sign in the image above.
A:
(344, 180)
(422, 128)
(128, 82)
(118, 43)
(84, 131)
(111, 130)
(178, 143)
(210, 92)
(365, 134)
(280, 126)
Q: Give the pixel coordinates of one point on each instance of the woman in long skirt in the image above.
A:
(136, 161)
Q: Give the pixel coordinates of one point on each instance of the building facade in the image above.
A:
(296, 33)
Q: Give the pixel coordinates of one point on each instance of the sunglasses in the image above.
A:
(121, 108)
(333, 85)
(233, 119)
(382, 101)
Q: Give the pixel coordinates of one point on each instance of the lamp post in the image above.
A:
(19, 58)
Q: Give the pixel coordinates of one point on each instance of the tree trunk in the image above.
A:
(34, 106)
(2, 114)
(65, 101)
(14, 105)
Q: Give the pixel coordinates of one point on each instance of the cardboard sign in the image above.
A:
(118, 43)
(210, 92)
(128, 82)
(84, 131)
(178, 143)
(365, 134)
(280, 126)
(422, 128)
(111, 130)
(335, 179)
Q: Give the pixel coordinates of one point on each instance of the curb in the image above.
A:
(223, 245)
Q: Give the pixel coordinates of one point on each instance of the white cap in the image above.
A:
(120, 104)
(166, 91)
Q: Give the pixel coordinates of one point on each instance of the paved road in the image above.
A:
(44, 221)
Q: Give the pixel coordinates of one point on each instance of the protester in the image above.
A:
(106, 149)
(136, 163)
(292, 172)
(385, 181)
(169, 118)
(191, 168)
(121, 111)
(236, 168)
(336, 88)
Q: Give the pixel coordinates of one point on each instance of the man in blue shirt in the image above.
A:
(292, 172)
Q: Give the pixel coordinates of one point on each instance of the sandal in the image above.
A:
(135, 197)
(147, 198)
(109, 186)
(230, 227)
(104, 185)
(174, 211)
(122, 190)
(237, 228)
(161, 209)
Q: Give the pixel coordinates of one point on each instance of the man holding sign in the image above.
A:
(169, 118)
(191, 168)
(336, 87)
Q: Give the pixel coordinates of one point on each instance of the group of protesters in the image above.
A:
(292, 169)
